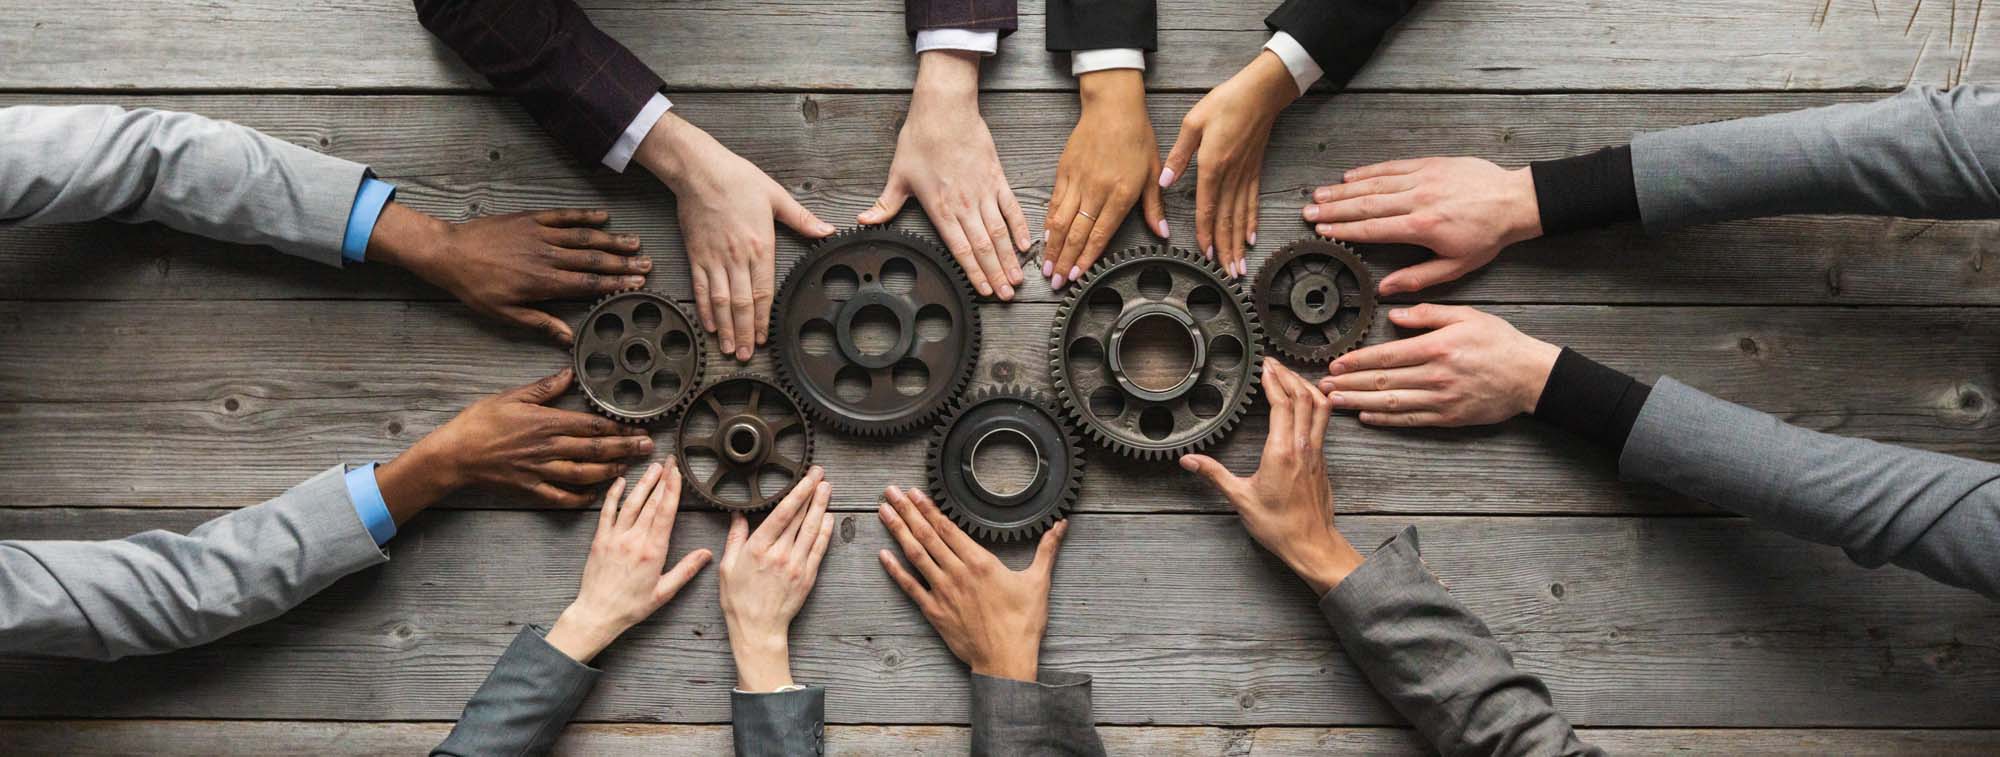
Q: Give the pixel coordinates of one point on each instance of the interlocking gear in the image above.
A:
(876, 331)
(747, 428)
(637, 356)
(1003, 505)
(1316, 300)
(1155, 355)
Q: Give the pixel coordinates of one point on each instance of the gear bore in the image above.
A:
(992, 504)
(748, 429)
(1155, 355)
(637, 357)
(1316, 300)
(876, 330)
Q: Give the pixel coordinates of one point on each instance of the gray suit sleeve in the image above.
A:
(1924, 153)
(1933, 513)
(1437, 664)
(160, 591)
(207, 177)
(783, 724)
(525, 702)
(1047, 717)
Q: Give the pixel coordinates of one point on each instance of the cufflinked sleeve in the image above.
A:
(1048, 716)
(1103, 24)
(524, 703)
(1341, 35)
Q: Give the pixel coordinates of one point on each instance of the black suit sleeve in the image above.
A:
(1341, 35)
(1103, 24)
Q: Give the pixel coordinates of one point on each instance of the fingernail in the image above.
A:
(1243, 267)
(818, 471)
(825, 228)
(1398, 313)
(1325, 230)
(986, 289)
(1057, 282)
(1006, 292)
(1187, 463)
(1311, 212)
(1253, 239)
(1048, 268)
(646, 445)
(1322, 194)
(1075, 272)
(1336, 398)
(1163, 228)
(645, 264)
(1166, 177)
(635, 281)
(1210, 252)
(1335, 369)
(728, 346)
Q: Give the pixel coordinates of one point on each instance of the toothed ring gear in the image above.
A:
(996, 504)
(739, 433)
(876, 331)
(1316, 300)
(637, 356)
(1154, 354)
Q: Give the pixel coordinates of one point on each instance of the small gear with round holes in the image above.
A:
(1154, 354)
(637, 356)
(876, 331)
(1316, 300)
(1005, 505)
(737, 431)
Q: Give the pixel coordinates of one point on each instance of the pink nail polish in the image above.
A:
(1166, 177)
(1048, 268)
(1057, 282)
(1253, 239)
(1210, 252)
(1075, 273)
(1163, 228)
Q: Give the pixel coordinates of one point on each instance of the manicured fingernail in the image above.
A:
(1048, 268)
(1166, 177)
(1210, 252)
(1311, 212)
(1253, 239)
(1163, 228)
(1322, 194)
(1057, 282)
(1243, 267)
(1075, 273)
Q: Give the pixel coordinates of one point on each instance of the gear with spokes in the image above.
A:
(637, 356)
(1154, 354)
(876, 330)
(738, 432)
(999, 503)
(1316, 300)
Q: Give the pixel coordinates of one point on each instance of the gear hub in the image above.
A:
(743, 443)
(637, 357)
(1005, 500)
(1316, 300)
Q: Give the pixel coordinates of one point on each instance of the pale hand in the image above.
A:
(766, 577)
(1464, 210)
(622, 579)
(1471, 370)
(1225, 135)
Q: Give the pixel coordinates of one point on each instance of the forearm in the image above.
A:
(524, 703)
(1590, 400)
(1437, 663)
(1046, 715)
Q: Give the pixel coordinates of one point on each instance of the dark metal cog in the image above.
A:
(1154, 354)
(738, 431)
(876, 330)
(1005, 505)
(1316, 300)
(637, 356)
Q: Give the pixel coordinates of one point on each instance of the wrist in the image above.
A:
(1271, 81)
(1113, 88)
(1324, 562)
(946, 77)
(668, 149)
(416, 479)
(582, 634)
(1525, 217)
(406, 238)
(1017, 667)
(763, 661)
(1540, 361)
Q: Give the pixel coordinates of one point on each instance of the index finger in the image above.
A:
(1385, 168)
(573, 423)
(1394, 354)
(920, 527)
(961, 545)
(572, 217)
(1281, 408)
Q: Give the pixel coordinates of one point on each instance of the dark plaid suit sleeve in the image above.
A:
(575, 80)
(997, 15)
(1341, 35)
(1103, 24)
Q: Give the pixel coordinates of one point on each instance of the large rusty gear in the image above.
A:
(637, 356)
(752, 417)
(916, 346)
(1114, 397)
(976, 503)
(1316, 300)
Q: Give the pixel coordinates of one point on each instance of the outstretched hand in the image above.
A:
(1108, 165)
(1465, 210)
(991, 617)
(1472, 369)
(622, 579)
(766, 576)
(1287, 505)
(1225, 135)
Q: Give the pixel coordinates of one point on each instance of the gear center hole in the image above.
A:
(1157, 352)
(875, 330)
(1316, 298)
(742, 442)
(1005, 462)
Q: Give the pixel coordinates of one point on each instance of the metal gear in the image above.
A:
(981, 505)
(1316, 300)
(876, 331)
(637, 356)
(1133, 399)
(752, 416)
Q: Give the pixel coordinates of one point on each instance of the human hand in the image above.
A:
(945, 156)
(1474, 369)
(512, 441)
(496, 265)
(1108, 165)
(1287, 505)
(991, 617)
(765, 579)
(1225, 134)
(1463, 209)
(622, 583)
(726, 205)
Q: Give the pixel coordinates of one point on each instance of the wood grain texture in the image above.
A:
(222, 404)
(1630, 621)
(459, 157)
(860, 44)
(99, 738)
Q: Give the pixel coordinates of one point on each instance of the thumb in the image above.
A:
(1424, 275)
(1156, 211)
(791, 213)
(1182, 152)
(1429, 316)
(544, 390)
(739, 532)
(1050, 546)
(885, 208)
(1208, 468)
(530, 318)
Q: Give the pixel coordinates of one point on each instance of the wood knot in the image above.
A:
(1003, 371)
(1556, 590)
(395, 428)
(493, 155)
(1748, 346)
(1246, 701)
(231, 405)
(847, 529)
(809, 109)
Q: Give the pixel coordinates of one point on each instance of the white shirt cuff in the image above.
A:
(1085, 61)
(780, 690)
(982, 41)
(635, 132)
(1304, 70)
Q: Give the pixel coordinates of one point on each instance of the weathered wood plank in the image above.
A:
(462, 156)
(218, 404)
(1633, 622)
(102, 738)
(844, 44)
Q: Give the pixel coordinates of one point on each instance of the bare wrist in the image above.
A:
(763, 661)
(1272, 82)
(1324, 562)
(581, 634)
(1113, 87)
(946, 76)
(667, 148)
(1526, 219)
(416, 479)
(1017, 667)
(406, 239)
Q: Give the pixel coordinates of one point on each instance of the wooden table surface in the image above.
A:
(149, 379)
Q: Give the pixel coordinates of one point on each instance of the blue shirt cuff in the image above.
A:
(368, 203)
(367, 499)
